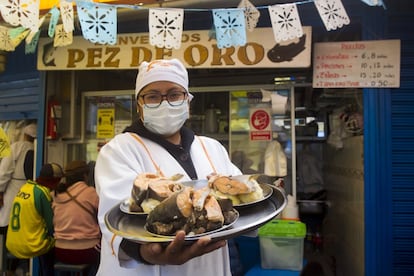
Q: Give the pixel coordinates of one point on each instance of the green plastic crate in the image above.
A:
(281, 244)
(283, 228)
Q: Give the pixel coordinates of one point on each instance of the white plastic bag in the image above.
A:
(275, 163)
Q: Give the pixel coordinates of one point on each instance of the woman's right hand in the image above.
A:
(178, 251)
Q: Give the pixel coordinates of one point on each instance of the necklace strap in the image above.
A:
(136, 137)
(206, 152)
(157, 168)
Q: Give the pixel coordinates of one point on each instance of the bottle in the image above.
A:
(290, 212)
(211, 120)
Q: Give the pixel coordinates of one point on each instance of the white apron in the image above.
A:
(117, 165)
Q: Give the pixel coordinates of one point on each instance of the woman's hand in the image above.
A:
(177, 252)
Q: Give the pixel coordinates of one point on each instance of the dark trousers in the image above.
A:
(79, 256)
(46, 263)
(8, 263)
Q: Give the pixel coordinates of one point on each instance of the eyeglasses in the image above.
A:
(154, 99)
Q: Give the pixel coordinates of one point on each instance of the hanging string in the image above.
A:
(332, 18)
(137, 7)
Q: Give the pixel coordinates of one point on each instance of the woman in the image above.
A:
(75, 207)
(159, 143)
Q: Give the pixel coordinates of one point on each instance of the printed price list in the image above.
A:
(357, 64)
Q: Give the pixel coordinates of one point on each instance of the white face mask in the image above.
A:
(165, 120)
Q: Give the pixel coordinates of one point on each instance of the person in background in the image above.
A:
(75, 207)
(91, 175)
(15, 170)
(159, 143)
(30, 231)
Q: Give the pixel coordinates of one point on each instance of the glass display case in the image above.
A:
(293, 123)
(105, 113)
(209, 115)
(227, 114)
(246, 151)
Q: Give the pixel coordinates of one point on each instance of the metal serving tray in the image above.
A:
(251, 217)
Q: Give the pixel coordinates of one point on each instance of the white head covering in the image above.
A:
(30, 130)
(161, 70)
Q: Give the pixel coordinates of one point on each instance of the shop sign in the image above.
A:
(105, 120)
(198, 50)
(260, 127)
(357, 64)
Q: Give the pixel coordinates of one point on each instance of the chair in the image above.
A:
(74, 270)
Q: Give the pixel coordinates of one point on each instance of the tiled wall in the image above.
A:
(343, 228)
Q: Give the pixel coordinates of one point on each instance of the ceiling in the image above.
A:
(48, 4)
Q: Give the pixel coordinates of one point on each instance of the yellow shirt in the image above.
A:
(30, 231)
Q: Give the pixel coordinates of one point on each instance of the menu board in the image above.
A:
(357, 64)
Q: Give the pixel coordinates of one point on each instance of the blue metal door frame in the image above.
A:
(388, 153)
(377, 182)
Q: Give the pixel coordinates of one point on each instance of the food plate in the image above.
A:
(195, 237)
(267, 192)
(250, 218)
(124, 207)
